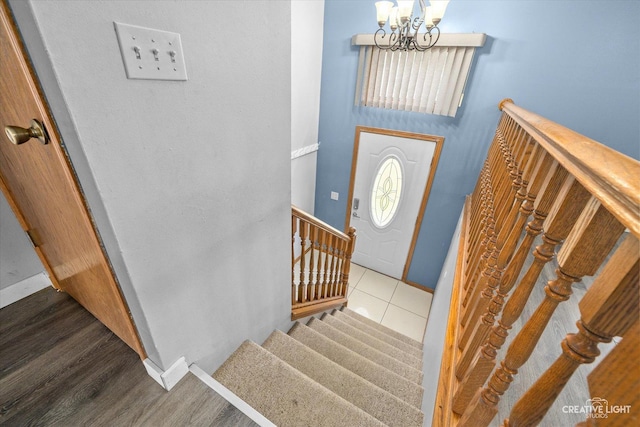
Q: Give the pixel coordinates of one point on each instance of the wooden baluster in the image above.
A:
(517, 149)
(516, 153)
(617, 379)
(477, 223)
(303, 243)
(502, 188)
(491, 303)
(537, 169)
(503, 172)
(472, 340)
(487, 220)
(482, 235)
(319, 271)
(477, 201)
(540, 208)
(294, 229)
(498, 184)
(327, 272)
(568, 207)
(572, 198)
(340, 261)
(351, 244)
(343, 251)
(481, 254)
(594, 235)
(482, 270)
(476, 243)
(313, 232)
(477, 198)
(608, 309)
(332, 270)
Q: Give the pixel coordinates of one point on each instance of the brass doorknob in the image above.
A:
(18, 135)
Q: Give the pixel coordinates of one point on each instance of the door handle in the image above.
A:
(18, 135)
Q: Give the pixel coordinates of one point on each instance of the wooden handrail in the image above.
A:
(320, 274)
(576, 196)
(299, 213)
(610, 176)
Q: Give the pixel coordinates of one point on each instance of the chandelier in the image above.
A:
(404, 27)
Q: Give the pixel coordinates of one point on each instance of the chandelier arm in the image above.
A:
(395, 39)
(417, 22)
(431, 42)
(437, 37)
(377, 35)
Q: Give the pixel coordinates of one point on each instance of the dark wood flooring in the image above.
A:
(60, 366)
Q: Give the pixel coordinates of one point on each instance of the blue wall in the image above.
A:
(574, 62)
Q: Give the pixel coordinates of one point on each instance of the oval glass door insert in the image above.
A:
(386, 191)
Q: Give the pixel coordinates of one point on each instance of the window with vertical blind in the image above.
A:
(430, 82)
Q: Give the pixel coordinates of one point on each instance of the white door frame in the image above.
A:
(438, 140)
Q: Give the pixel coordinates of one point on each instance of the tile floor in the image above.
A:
(389, 301)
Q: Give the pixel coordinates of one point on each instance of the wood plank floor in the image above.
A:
(60, 366)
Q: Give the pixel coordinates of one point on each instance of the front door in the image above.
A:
(391, 178)
(40, 185)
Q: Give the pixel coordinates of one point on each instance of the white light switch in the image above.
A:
(151, 54)
(334, 195)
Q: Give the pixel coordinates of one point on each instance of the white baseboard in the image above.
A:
(230, 397)
(169, 378)
(23, 288)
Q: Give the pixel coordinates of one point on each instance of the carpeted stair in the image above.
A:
(340, 370)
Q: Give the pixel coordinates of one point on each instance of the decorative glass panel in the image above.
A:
(386, 192)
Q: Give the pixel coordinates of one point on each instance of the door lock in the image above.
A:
(356, 203)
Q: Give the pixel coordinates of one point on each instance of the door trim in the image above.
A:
(439, 141)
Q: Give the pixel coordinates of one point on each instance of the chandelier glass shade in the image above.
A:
(405, 27)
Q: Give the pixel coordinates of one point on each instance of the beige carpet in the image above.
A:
(340, 370)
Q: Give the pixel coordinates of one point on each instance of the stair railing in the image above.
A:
(575, 196)
(320, 260)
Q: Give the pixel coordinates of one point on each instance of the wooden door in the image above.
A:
(391, 176)
(40, 185)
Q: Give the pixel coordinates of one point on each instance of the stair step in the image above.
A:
(376, 333)
(370, 398)
(365, 350)
(373, 341)
(382, 328)
(395, 384)
(283, 394)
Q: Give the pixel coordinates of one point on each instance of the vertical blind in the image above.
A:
(429, 82)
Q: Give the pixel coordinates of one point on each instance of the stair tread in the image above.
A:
(372, 341)
(365, 350)
(395, 384)
(376, 333)
(372, 399)
(382, 328)
(283, 394)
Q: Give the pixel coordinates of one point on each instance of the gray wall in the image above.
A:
(18, 260)
(306, 69)
(189, 182)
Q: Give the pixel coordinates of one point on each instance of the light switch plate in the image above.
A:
(334, 195)
(150, 54)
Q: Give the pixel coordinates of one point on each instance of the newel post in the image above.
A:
(346, 265)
